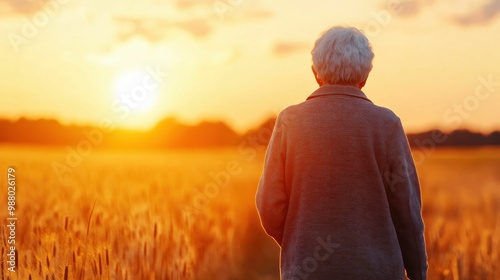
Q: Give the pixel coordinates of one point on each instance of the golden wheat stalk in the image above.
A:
(82, 271)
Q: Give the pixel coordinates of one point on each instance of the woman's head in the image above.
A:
(342, 55)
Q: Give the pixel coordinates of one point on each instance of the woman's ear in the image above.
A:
(318, 80)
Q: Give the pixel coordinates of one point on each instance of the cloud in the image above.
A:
(155, 30)
(470, 13)
(196, 27)
(189, 4)
(252, 14)
(483, 15)
(410, 8)
(231, 10)
(200, 27)
(22, 7)
(287, 48)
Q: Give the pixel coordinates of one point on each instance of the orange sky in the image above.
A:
(135, 62)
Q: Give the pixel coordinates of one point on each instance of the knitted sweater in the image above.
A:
(339, 192)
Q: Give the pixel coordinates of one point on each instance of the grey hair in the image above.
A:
(342, 55)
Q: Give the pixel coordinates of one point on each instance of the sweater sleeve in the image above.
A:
(271, 198)
(403, 193)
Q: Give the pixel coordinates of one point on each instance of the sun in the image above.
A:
(137, 90)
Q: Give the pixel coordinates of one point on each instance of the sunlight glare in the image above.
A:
(137, 90)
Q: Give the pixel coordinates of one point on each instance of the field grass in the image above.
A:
(191, 215)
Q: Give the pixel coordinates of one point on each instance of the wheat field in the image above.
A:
(191, 215)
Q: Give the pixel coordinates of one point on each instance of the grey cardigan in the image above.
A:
(339, 192)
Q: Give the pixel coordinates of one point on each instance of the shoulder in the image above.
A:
(289, 114)
(386, 115)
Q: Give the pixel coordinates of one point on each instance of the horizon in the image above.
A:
(194, 124)
(82, 62)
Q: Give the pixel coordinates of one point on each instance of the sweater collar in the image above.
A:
(351, 91)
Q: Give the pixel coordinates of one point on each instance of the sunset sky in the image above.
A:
(437, 62)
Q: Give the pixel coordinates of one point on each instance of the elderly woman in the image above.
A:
(339, 192)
